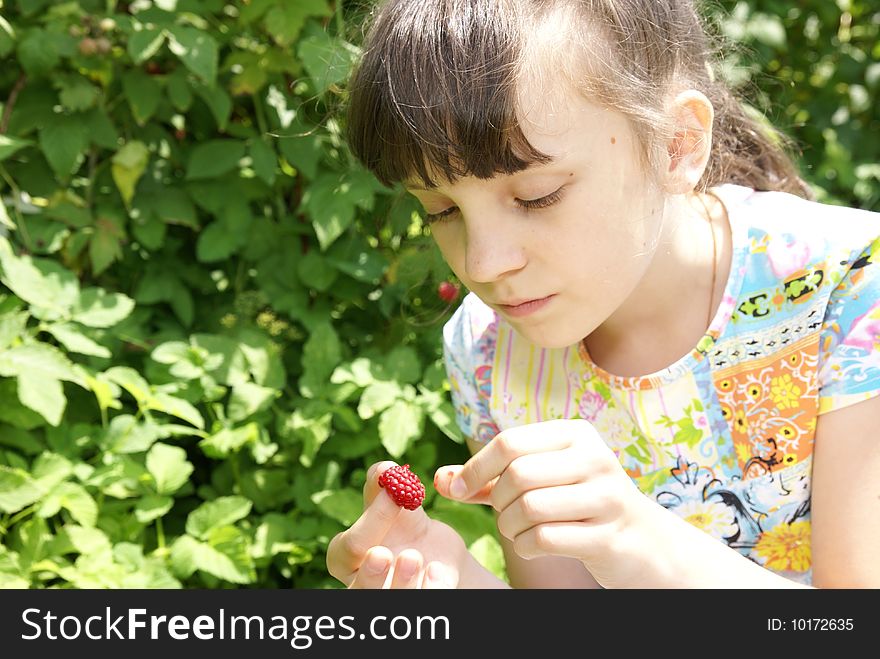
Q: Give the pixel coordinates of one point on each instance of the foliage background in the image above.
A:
(212, 320)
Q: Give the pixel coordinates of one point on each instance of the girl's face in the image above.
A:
(577, 234)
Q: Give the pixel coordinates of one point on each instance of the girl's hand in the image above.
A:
(559, 490)
(390, 547)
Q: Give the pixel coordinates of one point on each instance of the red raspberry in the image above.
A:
(447, 291)
(404, 486)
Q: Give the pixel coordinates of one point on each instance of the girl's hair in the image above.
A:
(436, 91)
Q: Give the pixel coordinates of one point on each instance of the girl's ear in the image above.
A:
(691, 143)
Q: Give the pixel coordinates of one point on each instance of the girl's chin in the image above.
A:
(549, 340)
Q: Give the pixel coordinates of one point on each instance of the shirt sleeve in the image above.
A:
(849, 344)
(468, 352)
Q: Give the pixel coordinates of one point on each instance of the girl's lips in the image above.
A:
(526, 308)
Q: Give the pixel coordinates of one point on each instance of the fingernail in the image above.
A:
(437, 575)
(457, 488)
(406, 569)
(376, 564)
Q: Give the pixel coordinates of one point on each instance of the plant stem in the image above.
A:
(160, 533)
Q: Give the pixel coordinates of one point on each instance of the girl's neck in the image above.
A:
(666, 315)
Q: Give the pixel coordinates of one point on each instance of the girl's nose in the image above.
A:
(490, 254)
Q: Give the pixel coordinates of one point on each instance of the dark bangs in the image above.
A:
(435, 93)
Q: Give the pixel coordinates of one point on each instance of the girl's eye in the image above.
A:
(541, 202)
(430, 218)
(528, 204)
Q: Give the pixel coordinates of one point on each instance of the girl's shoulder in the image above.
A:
(782, 216)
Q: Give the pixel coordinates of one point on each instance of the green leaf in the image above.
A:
(285, 20)
(354, 256)
(214, 158)
(402, 364)
(88, 541)
(17, 489)
(331, 209)
(213, 514)
(312, 426)
(144, 42)
(75, 499)
(39, 282)
(72, 338)
(218, 103)
(377, 397)
(229, 440)
(248, 398)
(102, 132)
(265, 161)
(126, 434)
(64, 142)
(7, 42)
(169, 467)
(182, 409)
(321, 354)
(331, 202)
(143, 94)
(5, 220)
(216, 242)
(38, 53)
(40, 360)
(76, 92)
(196, 49)
(444, 418)
(9, 145)
(328, 60)
(130, 380)
(225, 556)
(129, 164)
(179, 90)
(345, 506)
(151, 507)
(303, 151)
(315, 271)
(399, 426)
(94, 307)
(105, 245)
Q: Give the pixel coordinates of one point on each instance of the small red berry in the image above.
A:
(447, 291)
(180, 134)
(403, 486)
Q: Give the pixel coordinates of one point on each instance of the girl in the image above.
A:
(668, 362)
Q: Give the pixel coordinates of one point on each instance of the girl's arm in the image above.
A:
(845, 505)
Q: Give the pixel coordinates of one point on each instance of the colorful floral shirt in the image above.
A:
(724, 436)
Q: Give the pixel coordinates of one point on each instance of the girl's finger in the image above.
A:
(567, 503)
(491, 461)
(407, 569)
(580, 540)
(371, 485)
(438, 575)
(348, 549)
(373, 571)
(444, 475)
(540, 470)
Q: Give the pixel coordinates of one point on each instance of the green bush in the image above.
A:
(212, 320)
